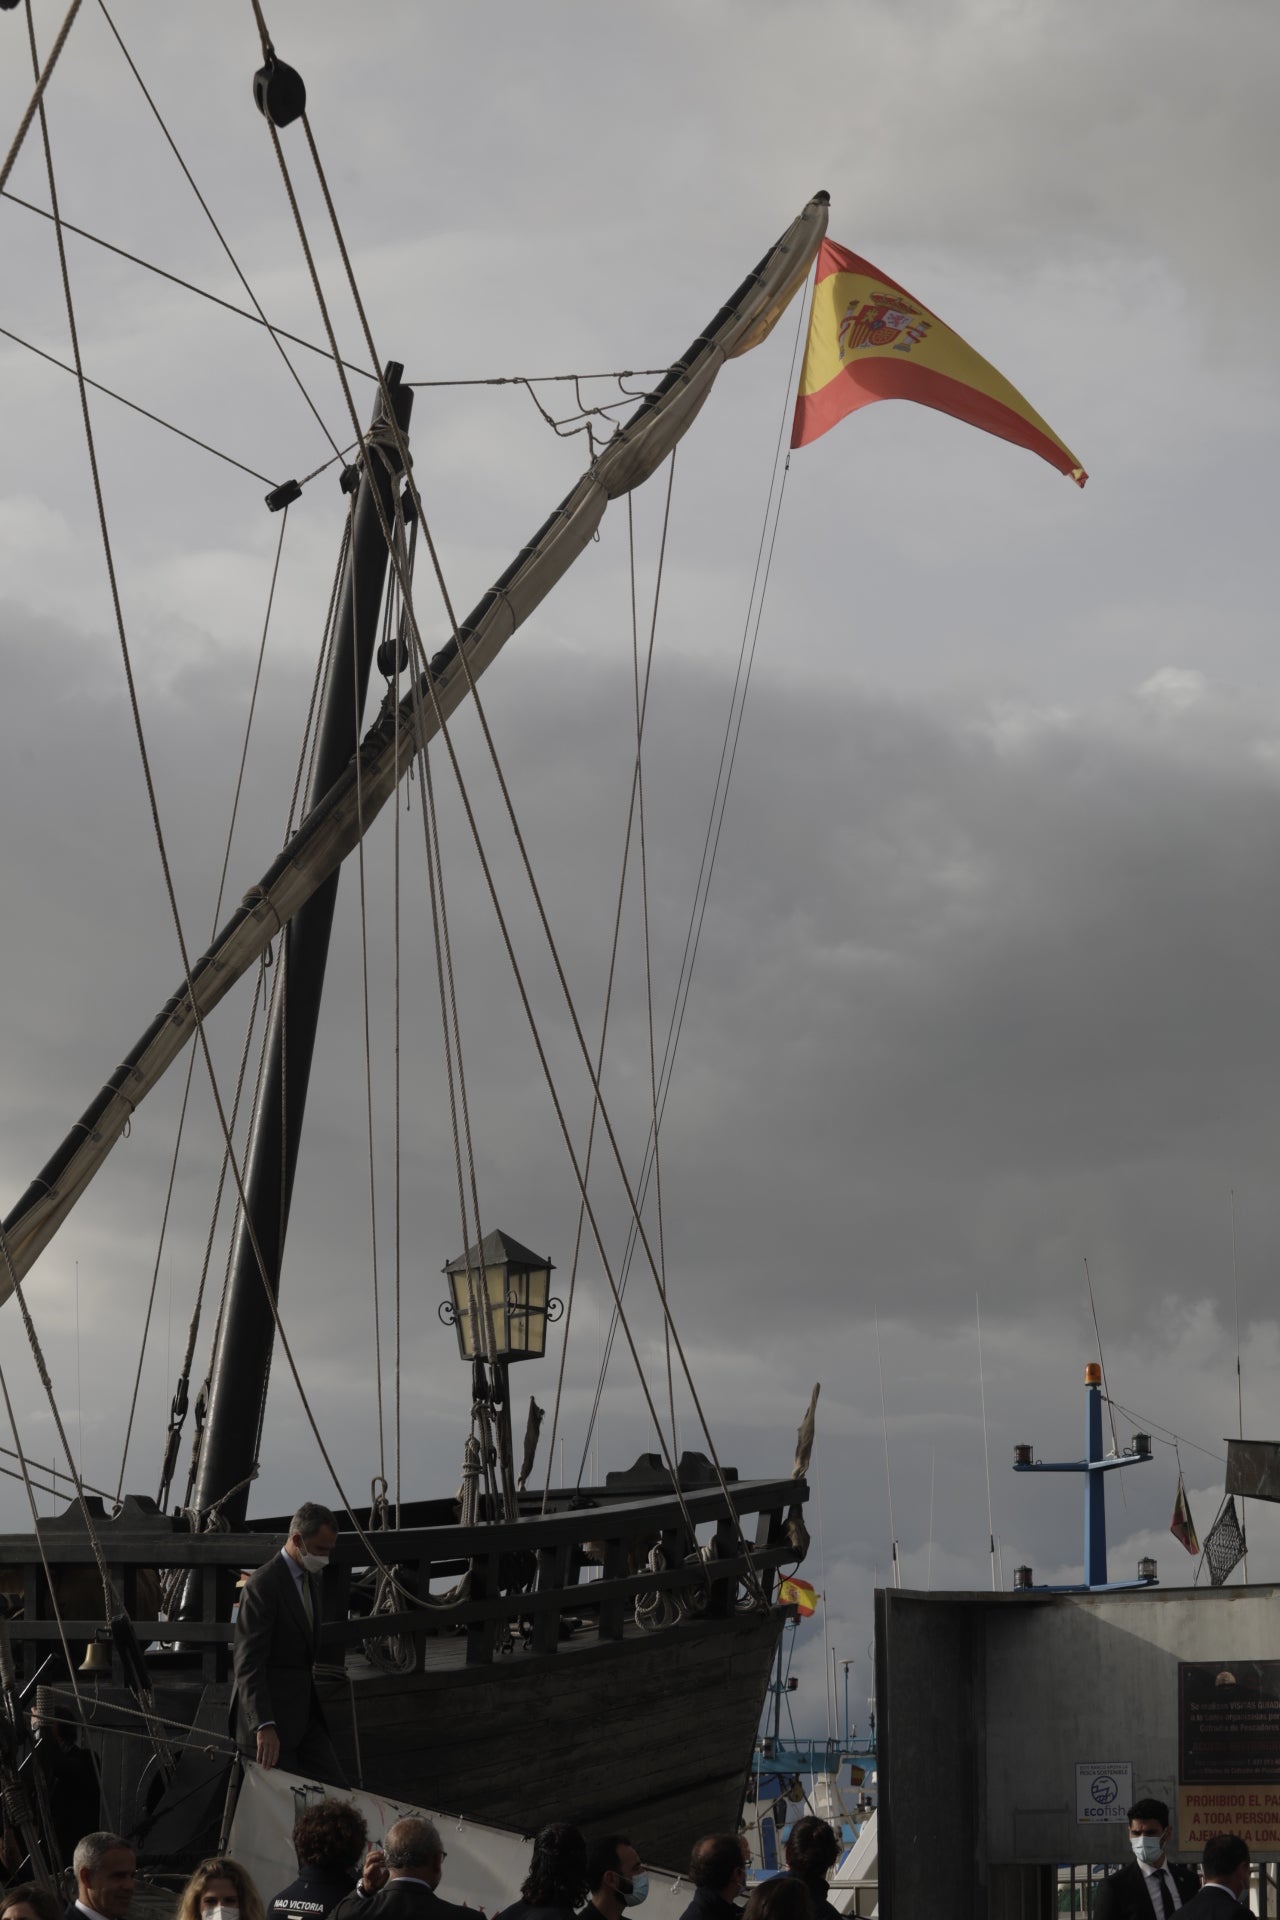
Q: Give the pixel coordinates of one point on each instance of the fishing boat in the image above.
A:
(480, 1642)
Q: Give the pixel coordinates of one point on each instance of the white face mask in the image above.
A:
(1147, 1847)
(314, 1563)
(221, 1913)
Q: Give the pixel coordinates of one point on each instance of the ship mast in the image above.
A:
(235, 1393)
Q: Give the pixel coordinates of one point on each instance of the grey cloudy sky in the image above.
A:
(987, 982)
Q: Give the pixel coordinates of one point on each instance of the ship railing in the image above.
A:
(538, 1582)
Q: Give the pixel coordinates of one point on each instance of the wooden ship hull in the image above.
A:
(535, 1694)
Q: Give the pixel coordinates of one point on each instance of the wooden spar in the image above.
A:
(333, 828)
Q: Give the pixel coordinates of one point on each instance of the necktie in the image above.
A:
(311, 1621)
(1166, 1892)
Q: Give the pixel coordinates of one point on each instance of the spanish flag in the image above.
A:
(869, 339)
(1182, 1526)
(800, 1595)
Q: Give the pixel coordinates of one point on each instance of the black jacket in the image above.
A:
(521, 1910)
(275, 1651)
(400, 1900)
(75, 1799)
(315, 1892)
(706, 1905)
(1124, 1896)
(1213, 1903)
(819, 1895)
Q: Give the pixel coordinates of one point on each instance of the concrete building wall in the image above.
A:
(986, 1703)
(1095, 1677)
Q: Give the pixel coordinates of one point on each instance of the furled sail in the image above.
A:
(333, 828)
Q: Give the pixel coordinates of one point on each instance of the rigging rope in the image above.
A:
(166, 869)
(753, 1578)
(42, 81)
(529, 380)
(608, 997)
(137, 407)
(222, 240)
(35, 1518)
(644, 899)
(191, 1063)
(715, 822)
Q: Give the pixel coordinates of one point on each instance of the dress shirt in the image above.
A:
(1153, 1876)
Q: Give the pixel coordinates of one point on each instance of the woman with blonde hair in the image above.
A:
(220, 1889)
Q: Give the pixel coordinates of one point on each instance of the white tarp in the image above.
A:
(483, 1865)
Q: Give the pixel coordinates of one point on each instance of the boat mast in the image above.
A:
(235, 1393)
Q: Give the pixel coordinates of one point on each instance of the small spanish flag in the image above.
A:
(1182, 1526)
(869, 339)
(800, 1595)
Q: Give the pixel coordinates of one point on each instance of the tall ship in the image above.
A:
(507, 1647)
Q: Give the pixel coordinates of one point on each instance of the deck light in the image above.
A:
(1021, 1579)
(1140, 1445)
(1147, 1570)
(1022, 1455)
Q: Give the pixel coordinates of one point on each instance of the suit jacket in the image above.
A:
(1213, 1903)
(274, 1653)
(399, 1900)
(1124, 1896)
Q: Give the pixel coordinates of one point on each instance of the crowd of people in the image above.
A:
(342, 1877)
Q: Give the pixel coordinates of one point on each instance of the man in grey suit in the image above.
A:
(1226, 1879)
(277, 1715)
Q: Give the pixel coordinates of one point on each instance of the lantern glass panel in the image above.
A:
(527, 1290)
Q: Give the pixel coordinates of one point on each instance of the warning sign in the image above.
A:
(1252, 1812)
(1229, 1753)
(1104, 1790)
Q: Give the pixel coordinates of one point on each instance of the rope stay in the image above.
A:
(679, 396)
(393, 427)
(609, 982)
(222, 240)
(191, 1063)
(715, 822)
(10, 1265)
(323, 840)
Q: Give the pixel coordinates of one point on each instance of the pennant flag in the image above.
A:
(1224, 1546)
(1182, 1526)
(800, 1595)
(870, 340)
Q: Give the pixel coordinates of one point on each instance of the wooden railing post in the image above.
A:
(616, 1567)
(480, 1633)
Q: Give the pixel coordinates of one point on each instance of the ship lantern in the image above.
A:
(1022, 1455)
(1147, 1571)
(1141, 1446)
(1021, 1579)
(509, 1284)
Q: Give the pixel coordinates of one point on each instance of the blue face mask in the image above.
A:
(637, 1890)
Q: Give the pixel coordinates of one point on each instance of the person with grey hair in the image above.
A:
(276, 1714)
(415, 1856)
(105, 1869)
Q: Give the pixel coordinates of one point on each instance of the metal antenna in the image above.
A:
(1235, 1283)
(884, 1422)
(986, 1453)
